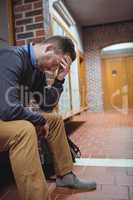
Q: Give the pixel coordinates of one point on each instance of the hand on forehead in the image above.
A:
(67, 59)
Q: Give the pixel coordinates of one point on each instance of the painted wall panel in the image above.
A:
(75, 87)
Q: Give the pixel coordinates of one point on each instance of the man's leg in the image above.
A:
(59, 146)
(19, 137)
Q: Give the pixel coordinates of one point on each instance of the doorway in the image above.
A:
(117, 77)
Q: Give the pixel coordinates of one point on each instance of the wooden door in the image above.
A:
(129, 68)
(82, 81)
(114, 82)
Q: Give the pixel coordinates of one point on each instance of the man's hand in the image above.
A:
(46, 130)
(43, 130)
(64, 68)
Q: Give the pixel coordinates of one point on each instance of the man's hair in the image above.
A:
(65, 44)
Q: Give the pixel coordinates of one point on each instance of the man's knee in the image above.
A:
(27, 129)
(59, 118)
(25, 134)
(53, 117)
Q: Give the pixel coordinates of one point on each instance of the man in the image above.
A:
(25, 66)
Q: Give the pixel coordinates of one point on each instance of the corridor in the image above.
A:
(97, 88)
(106, 143)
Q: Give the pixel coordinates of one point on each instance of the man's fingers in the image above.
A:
(65, 68)
(64, 62)
(68, 59)
(46, 134)
(46, 128)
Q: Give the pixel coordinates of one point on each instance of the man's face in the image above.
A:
(51, 60)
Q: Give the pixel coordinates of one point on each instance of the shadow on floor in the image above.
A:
(6, 176)
(72, 126)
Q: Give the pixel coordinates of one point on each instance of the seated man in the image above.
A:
(24, 67)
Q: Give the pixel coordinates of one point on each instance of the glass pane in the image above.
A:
(57, 29)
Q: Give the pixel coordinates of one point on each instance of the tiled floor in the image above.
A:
(112, 184)
(99, 135)
(104, 135)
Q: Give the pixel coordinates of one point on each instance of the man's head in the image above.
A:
(53, 50)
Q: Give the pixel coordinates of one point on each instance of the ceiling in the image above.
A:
(95, 12)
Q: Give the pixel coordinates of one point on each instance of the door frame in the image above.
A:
(10, 22)
(9, 27)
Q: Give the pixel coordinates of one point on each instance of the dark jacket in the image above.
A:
(17, 70)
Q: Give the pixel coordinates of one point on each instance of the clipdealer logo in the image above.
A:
(24, 95)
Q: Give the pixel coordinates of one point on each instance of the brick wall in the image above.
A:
(31, 20)
(96, 38)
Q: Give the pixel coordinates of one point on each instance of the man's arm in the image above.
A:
(49, 94)
(11, 108)
(63, 70)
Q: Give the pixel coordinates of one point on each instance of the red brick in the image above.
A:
(39, 39)
(34, 26)
(19, 29)
(25, 35)
(23, 8)
(100, 177)
(39, 18)
(131, 193)
(98, 136)
(116, 171)
(38, 5)
(130, 171)
(117, 192)
(33, 13)
(17, 2)
(20, 42)
(18, 16)
(40, 33)
(124, 180)
(36, 40)
(27, 1)
(24, 21)
(92, 195)
(89, 171)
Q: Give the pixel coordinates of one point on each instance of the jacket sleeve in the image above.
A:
(50, 94)
(11, 107)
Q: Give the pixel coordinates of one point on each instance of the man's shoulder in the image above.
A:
(13, 57)
(14, 50)
(5, 50)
